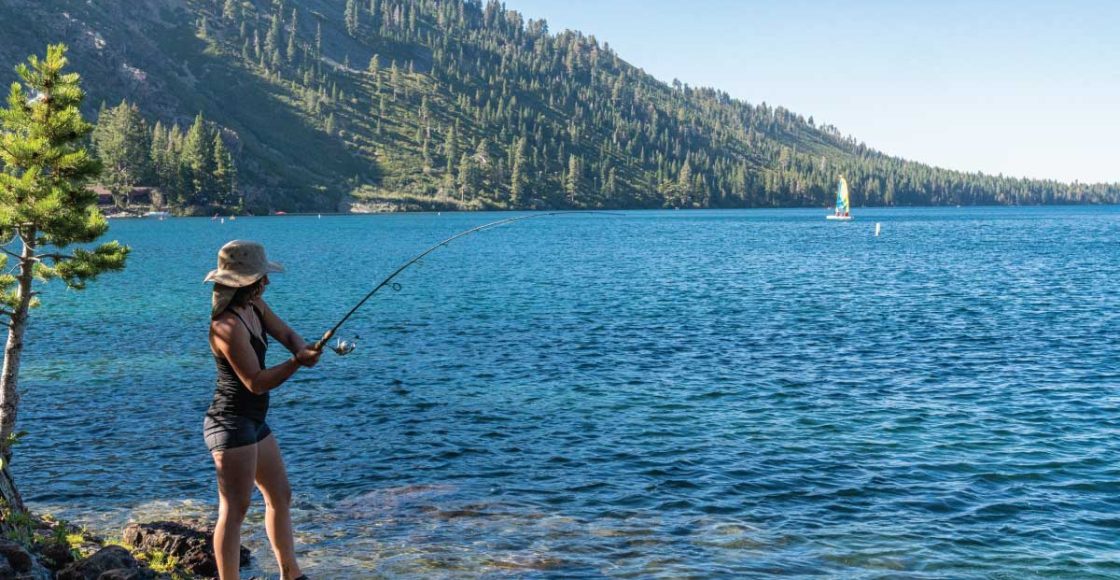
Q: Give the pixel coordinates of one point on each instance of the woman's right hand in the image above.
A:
(308, 357)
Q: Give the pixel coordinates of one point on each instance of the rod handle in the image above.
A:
(323, 341)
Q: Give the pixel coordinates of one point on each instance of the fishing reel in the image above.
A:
(340, 347)
(344, 347)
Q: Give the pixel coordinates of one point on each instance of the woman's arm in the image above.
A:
(278, 329)
(230, 339)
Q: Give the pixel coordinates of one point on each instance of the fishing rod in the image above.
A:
(344, 347)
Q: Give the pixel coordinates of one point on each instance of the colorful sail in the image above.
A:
(842, 206)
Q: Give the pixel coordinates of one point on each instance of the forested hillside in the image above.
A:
(325, 104)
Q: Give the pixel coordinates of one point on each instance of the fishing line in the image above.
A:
(346, 347)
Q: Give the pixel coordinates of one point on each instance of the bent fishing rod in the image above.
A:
(344, 348)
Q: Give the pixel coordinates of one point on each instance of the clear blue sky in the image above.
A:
(1022, 88)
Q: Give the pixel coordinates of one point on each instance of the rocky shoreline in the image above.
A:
(41, 548)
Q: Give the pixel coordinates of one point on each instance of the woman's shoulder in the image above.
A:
(226, 325)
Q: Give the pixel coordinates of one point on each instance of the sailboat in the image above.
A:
(842, 206)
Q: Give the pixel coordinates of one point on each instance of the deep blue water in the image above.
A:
(658, 394)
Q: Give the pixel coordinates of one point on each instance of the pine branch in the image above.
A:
(52, 256)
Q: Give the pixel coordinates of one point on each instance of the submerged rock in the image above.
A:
(109, 563)
(190, 543)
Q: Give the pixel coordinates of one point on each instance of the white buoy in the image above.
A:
(223, 220)
(878, 228)
(320, 216)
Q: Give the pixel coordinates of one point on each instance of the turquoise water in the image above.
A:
(709, 393)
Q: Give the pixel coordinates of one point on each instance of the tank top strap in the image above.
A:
(260, 318)
(249, 328)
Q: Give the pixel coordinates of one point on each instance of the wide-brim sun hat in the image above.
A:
(240, 263)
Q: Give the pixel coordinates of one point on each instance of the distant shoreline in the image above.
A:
(137, 216)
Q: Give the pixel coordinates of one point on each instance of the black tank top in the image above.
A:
(231, 396)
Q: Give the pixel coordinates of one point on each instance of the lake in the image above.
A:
(655, 394)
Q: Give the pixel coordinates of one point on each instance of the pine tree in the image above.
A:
(44, 209)
(318, 40)
(482, 153)
(292, 48)
(178, 176)
(197, 161)
(351, 17)
(451, 149)
(394, 77)
(123, 144)
(375, 14)
(163, 165)
(229, 11)
(486, 167)
(518, 178)
(573, 185)
(380, 113)
(469, 179)
(272, 39)
(447, 185)
(685, 187)
(225, 172)
(610, 189)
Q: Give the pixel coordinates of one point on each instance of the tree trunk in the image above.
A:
(9, 378)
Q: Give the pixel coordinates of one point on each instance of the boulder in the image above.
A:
(17, 558)
(109, 563)
(17, 563)
(56, 556)
(191, 543)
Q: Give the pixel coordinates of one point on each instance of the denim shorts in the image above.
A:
(227, 432)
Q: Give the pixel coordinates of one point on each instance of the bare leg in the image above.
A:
(235, 486)
(272, 480)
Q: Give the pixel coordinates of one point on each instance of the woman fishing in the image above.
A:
(243, 447)
(244, 450)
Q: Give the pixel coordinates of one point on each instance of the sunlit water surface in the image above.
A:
(657, 394)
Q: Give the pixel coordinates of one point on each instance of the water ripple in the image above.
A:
(666, 394)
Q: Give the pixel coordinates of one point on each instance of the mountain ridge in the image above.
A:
(468, 106)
